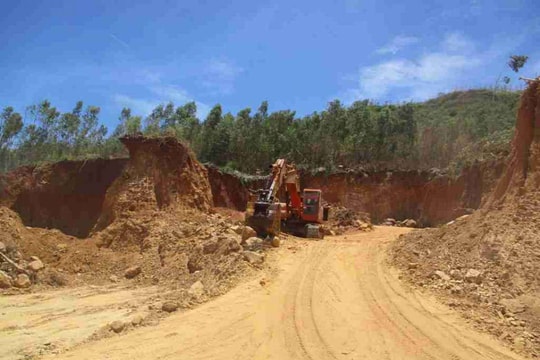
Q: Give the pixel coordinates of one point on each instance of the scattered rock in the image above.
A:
(194, 264)
(196, 289)
(210, 247)
(410, 223)
(456, 274)
(412, 265)
(513, 305)
(62, 247)
(253, 257)
(237, 229)
(247, 233)
(114, 278)
(137, 320)
(442, 275)
(473, 276)
(389, 222)
(276, 241)
(229, 245)
(36, 265)
(519, 343)
(117, 326)
(57, 279)
(22, 281)
(253, 243)
(169, 306)
(364, 226)
(132, 272)
(5, 280)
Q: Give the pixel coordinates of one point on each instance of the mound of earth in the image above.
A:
(488, 264)
(156, 226)
(342, 219)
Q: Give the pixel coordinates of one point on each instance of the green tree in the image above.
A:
(10, 126)
(516, 62)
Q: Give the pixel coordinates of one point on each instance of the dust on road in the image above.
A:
(333, 299)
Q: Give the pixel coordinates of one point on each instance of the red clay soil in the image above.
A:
(161, 172)
(428, 197)
(67, 195)
(156, 217)
(230, 191)
(488, 264)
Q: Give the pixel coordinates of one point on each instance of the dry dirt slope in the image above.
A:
(333, 299)
(488, 264)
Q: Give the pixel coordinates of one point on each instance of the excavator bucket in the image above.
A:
(264, 218)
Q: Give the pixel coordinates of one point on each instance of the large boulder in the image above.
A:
(248, 232)
(36, 265)
(22, 281)
(253, 243)
(253, 257)
(513, 305)
(442, 275)
(196, 289)
(169, 306)
(117, 326)
(410, 223)
(473, 276)
(132, 272)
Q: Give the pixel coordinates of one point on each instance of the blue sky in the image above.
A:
(296, 54)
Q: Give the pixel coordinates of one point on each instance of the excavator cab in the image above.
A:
(313, 210)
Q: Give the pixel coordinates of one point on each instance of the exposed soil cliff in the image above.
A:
(154, 225)
(161, 173)
(428, 197)
(67, 195)
(488, 263)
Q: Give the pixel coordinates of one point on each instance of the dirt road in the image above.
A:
(333, 299)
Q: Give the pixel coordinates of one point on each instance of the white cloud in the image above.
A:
(422, 77)
(138, 106)
(398, 43)
(171, 93)
(220, 75)
(162, 94)
(456, 42)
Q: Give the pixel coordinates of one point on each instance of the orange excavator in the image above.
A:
(281, 206)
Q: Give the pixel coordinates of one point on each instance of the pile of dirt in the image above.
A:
(161, 173)
(342, 220)
(488, 264)
(156, 226)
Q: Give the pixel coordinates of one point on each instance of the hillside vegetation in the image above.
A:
(448, 131)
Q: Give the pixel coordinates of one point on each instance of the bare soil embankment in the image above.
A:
(488, 264)
(150, 214)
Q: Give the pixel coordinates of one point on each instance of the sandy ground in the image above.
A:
(40, 323)
(331, 299)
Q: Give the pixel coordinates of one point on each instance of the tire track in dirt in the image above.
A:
(333, 299)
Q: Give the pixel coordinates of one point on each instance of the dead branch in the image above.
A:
(12, 263)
